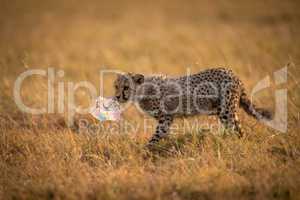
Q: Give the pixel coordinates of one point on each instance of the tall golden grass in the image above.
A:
(42, 158)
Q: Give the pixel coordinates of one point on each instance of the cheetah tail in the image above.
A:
(252, 110)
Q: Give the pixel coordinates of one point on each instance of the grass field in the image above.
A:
(42, 158)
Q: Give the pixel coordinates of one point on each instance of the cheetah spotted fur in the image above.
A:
(216, 91)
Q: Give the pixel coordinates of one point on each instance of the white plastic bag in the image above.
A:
(105, 109)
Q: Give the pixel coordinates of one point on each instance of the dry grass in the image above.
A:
(41, 158)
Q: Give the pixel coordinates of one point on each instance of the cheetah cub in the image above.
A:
(215, 91)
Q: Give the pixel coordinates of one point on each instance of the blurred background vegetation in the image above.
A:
(42, 158)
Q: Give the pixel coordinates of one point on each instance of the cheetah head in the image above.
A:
(126, 85)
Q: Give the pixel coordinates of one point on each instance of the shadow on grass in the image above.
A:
(175, 145)
(183, 143)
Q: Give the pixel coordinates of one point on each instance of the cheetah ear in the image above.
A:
(138, 78)
(119, 75)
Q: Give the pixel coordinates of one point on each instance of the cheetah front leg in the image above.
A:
(162, 128)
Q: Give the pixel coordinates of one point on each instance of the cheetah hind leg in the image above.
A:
(228, 112)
